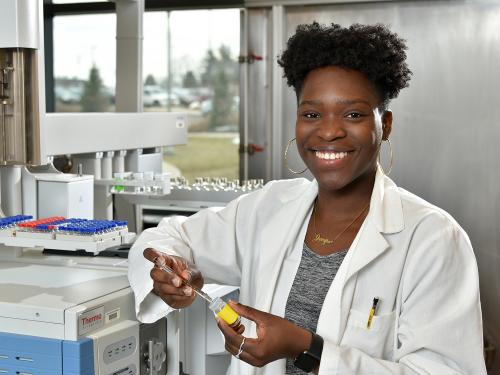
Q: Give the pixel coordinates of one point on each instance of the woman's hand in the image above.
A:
(169, 287)
(276, 337)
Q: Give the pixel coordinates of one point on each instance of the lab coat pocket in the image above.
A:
(375, 341)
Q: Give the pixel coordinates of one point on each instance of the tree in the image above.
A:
(150, 80)
(222, 100)
(230, 64)
(209, 68)
(189, 80)
(93, 98)
(221, 73)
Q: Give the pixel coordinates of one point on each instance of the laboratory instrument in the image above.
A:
(42, 308)
(48, 192)
(21, 82)
(185, 198)
(59, 233)
(138, 183)
(79, 320)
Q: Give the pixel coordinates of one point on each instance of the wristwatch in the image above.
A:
(309, 359)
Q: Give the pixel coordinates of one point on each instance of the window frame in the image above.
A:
(51, 10)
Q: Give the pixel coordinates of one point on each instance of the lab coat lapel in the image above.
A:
(370, 245)
(385, 216)
(281, 236)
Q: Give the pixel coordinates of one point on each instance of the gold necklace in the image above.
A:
(326, 241)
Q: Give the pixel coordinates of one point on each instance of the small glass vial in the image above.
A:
(160, 179)
(225, 312)
(119, 177)
(148, 182)
(198, 183)
(139, 178)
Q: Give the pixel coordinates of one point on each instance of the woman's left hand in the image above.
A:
(276, 337)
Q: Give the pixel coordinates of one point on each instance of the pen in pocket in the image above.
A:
(373, 311)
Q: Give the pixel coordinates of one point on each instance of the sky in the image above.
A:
(80, 41)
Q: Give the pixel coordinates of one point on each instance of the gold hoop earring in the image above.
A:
(286, 158)
(391, 158)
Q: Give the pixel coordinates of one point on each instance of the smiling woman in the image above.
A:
(339, 126)
(346, 274)
(342, 114)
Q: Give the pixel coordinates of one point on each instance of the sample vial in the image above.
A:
(119, 177)
(139, 177)
(148, 178)
(225, 312)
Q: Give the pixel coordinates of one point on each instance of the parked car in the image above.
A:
(207, 105)
(68, 95)
(186, 95)
(155, 96)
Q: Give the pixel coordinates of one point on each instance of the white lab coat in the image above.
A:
(410, 254)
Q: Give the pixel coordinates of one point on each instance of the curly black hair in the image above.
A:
(372, 50)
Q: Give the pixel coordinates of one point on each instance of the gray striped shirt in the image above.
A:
(312, 281)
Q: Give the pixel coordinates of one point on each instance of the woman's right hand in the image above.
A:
(169, 287)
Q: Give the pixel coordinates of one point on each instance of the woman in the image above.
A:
(347, 274)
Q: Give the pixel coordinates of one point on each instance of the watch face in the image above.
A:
(309, 359)
(306, 362)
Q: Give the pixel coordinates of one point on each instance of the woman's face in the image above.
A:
(339, 126)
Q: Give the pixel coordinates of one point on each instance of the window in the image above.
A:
(84, 62)
(190, 65)
(196, 72)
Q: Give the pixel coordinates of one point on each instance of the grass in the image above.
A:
(205, 155)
